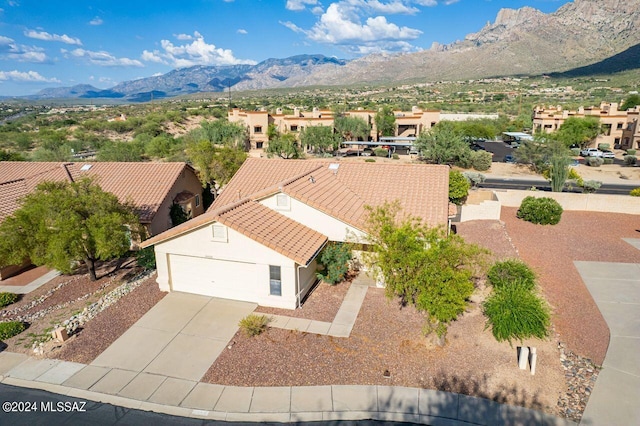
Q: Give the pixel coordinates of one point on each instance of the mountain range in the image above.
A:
(584, 36)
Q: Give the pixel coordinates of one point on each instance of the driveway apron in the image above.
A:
(180, 337)
(615, 287)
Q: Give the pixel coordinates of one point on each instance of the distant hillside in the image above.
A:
(624, 61)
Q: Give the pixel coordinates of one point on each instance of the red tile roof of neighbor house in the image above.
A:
(422, 191)
(146, 185)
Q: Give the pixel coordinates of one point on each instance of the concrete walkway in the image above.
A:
(153, 392)
(38, 282)
(615, 287)
(341, 325)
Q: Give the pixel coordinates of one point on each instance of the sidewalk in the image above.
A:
(261, 404)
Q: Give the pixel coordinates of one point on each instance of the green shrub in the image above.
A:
(607, 160)
(511, 272)
(575, 152)
(595, 161)
(630, 160)
(381, 152)
(7, 299)
(370, 160)
(458, 187)
(10, 329)
(481, 160)
(591, 186)
(631, 152)
(253, 324)
(395, 156)
(146, 258)
(334, 261)
(635, 192)
(604, 147)
(513, 312)
(542, 211)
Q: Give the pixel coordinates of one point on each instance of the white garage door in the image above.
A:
(217, 278)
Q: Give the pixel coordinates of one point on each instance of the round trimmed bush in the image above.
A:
(481, 160)
(541, 211)
(10, 329)
(514, 312)
(458, 187)
(7, 299)
(635, 192)
(381, 152)
(511, 272)
(595, 161)
(631, 152)
(630, 160)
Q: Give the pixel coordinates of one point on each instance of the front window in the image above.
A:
(257, 129)
(294, 128)
(197, 200)
(275, 281)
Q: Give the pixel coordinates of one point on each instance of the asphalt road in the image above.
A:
(541, 185)
(50, 409)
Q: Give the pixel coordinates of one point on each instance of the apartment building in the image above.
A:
(408, 123)
(618, 128)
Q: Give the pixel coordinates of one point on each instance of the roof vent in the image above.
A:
(85, 167)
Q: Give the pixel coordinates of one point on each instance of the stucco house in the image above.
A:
(151, 187)
(259, 240)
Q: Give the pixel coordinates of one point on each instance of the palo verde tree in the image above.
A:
(444, 144)
(422, 266)
(352, 128)
(385, 121)
(61, 223)
(579, 131)
(284, 146)
(320, 138)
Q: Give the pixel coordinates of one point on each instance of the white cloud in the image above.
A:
(198, 52)
(448, 2)
(183, 36)
(26, 77)
(298, 5)
(96, 21)
(426, 2)
(9, 49)
(342, 25)
(241, 31)
(102, 58)
(43, 35)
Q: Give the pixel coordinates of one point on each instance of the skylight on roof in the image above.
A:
(334, 166)
(85, 167)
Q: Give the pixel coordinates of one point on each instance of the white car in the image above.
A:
(608, 154)
(591, 152)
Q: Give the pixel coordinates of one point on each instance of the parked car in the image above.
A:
(509, 158)
(591, 152)
(608, 154)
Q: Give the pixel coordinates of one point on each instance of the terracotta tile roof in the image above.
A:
(146, 185)
(10, 194)
(274, 230)
(421, 189)
(260, 223)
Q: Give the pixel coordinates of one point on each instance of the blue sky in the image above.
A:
(50, 43)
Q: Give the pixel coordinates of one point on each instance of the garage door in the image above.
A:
(210, 277)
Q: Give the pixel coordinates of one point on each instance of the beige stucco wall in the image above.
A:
(239, 248)
(570, 201)
(334, 229)
(486, 210)
(188, 181)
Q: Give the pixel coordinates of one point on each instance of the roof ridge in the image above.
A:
(13, 181)
(290, 180)
(228, 207)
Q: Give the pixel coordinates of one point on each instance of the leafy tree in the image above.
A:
(334, 260)
(321, 138)
(423, 266)
(630, 102)
(161, 146)
(177, 214)
(220, 132)
(284, 146)
(385, 121)
(444, 144)
(578, 130)
(272, 132)
(11, 156)
(352, 128)
(200, 154)
(537, 153)
(225, 163)
(61, 223)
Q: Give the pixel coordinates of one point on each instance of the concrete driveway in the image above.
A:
(180, 337)
(615, 287)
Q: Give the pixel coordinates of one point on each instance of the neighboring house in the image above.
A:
(408, 123)
(618, 127)
(259, 240)
(151, 187)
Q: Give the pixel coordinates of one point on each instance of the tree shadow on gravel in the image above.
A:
(479, 387)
